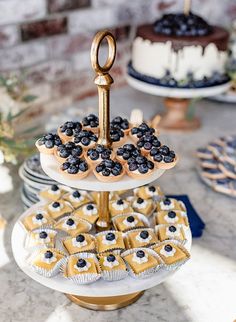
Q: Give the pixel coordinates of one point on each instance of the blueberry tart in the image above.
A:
(121, 123)
(127, 151)
(91, 123)
(87, 139)
(109, 171)
(68, 130)
(117, 137)
(48, 143)
(119, 206)
(139, 167)
(75, 168)
(98, 154)
(147, 142)
(139, 131)
(66, 150)
(163, 157)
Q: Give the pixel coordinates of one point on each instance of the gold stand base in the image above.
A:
(105, 303)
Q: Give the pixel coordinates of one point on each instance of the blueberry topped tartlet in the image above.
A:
(139, 166)
(163, 157)
(117, 136)
(91, 123)
(75, 168)
(139, 131)
(48, 143)
(109, 170)
(98, 154)
(127, 151)
(63, 151)
(67, 130)
(147, 142)
(121, 123)
(87, 139)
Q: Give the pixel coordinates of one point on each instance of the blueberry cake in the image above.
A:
(91, 123)
(180, 50)
(109, 170)
(67, 130)
(75, 168)
(48, 143)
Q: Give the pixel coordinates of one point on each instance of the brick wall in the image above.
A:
(49, 40)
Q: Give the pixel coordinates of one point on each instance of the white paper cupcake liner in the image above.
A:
(174, 238)
(148, 272)
(85, 278)
(174, 266)
(141, 217)
(116, 250)
(114, 275)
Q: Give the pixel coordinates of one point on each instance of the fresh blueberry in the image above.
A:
(85, 141)
(158, 157)
(99, 168)
(168, 159)
(76, 194)
(147, 146)
(140, 200)
(110, 236)
(77, 151)
(143, 168)
(152, 188)
(115, 172)
(48, 254)
(49, 144)
(106, 172)
(90, 207)
(111, 258)
(171, 214)
(70, 222)
(167, 201)
(120, 202)
(94, 155)
(72, 169)
(80, 238)
(164, 150)
(130, 219)
(168, 248)
(65, 166)
(144, 234)
(140, 254)
(68, 132)
(54, 187)
(133, 166)
(83, 166)
(64, 153)
(81, 263)
(56, 204)
(172, 229)
(150, 165)
(43, 235)
(39, 216)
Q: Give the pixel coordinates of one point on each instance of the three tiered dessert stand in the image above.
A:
(101, 295)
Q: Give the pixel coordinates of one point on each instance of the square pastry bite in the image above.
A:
(169, 232)
(53, 193)
(88, 212)
(170, 204)
(140, 238)
(119, 206)
(80, 243)
(172, 254)
(113, 267)
(58, 208)
(77, 198)
(109, 240)
(149, 191)
(171, 217)
(41, 237)
(82, 268)
(143, 206)
(47, 261)
(39, 218)
(73, 225)
(142, 262)
(129, 221)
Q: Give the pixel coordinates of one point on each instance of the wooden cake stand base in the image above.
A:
(105, 303)
(176, 117)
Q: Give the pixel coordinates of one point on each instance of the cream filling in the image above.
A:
(142, 205)
(90, 212)
(167, 207)
(49, 260)
(75, 243)
(171, 220)
(167, 254)
(57, 209)
(120, 207)
(141, 240)
(110, 264)
(108, 242)
(73, 199)
(130, 224)
(174, 233)
(68, 227)
(140, 260)
(83, 269)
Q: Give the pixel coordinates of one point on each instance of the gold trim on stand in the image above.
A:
(103, 222)
(105, 303)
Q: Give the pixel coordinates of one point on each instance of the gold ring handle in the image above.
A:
(95, 50)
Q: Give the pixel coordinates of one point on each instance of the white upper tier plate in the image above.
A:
(99, 288)
(50, 166)
(177, 92)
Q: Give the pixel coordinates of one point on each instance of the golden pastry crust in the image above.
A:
(73, 246)
(110, 178)
(79, 175)
(143, 206)
(77, 202)
(134, 238)
(57, 212)
(138, 268)
(179, 254)
(119, 206)
(148, 191)
(169, 232)
(39, 262)
(30, 222)
(136, 174)
(120, 222)
(94, 163)
(75, 227)
(164, 165)
(104, 267)
(104, 245)
(171, 217)
(49, 194)
(91, 215)
(170, 204)
(41, 237)
(71, 266)
(43, 149)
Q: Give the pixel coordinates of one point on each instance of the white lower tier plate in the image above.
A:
(99, 288)
(51, 166)
(227, 97)
(176, 92)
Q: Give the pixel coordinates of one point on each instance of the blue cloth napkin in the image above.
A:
(196, 223)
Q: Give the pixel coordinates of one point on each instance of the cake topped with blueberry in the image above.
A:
(180, 51)
(109, 170)
(68, 129)
(48, 143)
(91, 122)
(85, 138)
(98, 154)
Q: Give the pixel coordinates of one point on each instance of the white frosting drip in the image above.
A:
(141, 240)
(83, 269)
(142, 205)
(171, 220)
(75, 243)
(174, 233)
(130, 224)
(90, 212)
(140, 260)
(110, 264)
(120, 207)
(167, 254)
(57, 209)
(48, 260)
(167, 207)
(108, 242)
(154, 58)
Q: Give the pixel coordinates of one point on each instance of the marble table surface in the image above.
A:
(204, 290)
